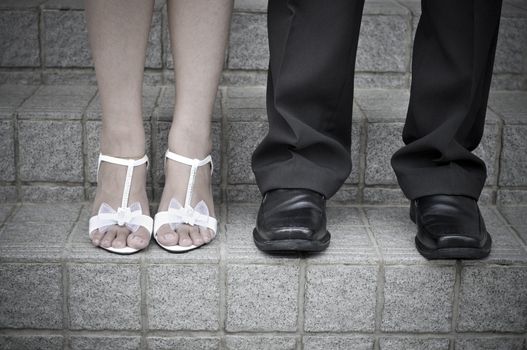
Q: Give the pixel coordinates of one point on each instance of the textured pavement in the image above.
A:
(369, 290)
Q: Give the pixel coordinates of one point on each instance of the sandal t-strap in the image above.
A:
(130, 216)
(186, 214)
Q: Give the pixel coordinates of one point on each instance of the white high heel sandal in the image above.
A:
(178, 214)
(132, 216)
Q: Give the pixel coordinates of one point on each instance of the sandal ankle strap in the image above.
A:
(194, 163)
(130, 163)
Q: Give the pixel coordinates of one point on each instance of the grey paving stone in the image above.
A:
(92, 148)
(389, 216)
(189, 291)
(12, 96)
(50, 151)
(248, 46)
(69, 76)
(161, 132)
(516, 216)
(183, 343)
(418, 298)
(506, 248)
(55, 212)
(344, 216)
(348, 195)
(150, 95)
(242, 78)
(272, 290)
(273, 342)
(488, 152)
(385, 80)
(397, 244)
(340, 298)
(165, 103)
(414, 6)
(383, 45)
(349, 244)
(384, 139)
(337, 343)
(16, 4)
(5, 211)
(153, 50)
(22, 76)
(493, 299)
(57, 102)
(104, 297)
(357, 132)
(487, 196)
(511, 197)
(384, 7)
(243, 139)
(50, 193)
(240, 247)
(70, 50)
(250, 5)
(242, 213)
(63, 4)
(494, 343)
(104, 342)
(243, 193)
(522, 232)
(513, 9)
(8, 194)
(510, 105)
(414, 344)
(246, 103)
(513, 160)
(7, 156)
(40, 305)
(31, 342)
(509, 81)
(19, 43)
(511, 48)
(382, 105)
(33, 242)
(376, 195)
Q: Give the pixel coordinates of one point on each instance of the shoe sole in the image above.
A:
(291, 245)
(454, 252)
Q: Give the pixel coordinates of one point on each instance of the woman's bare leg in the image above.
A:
(118, 33)
(198, 30)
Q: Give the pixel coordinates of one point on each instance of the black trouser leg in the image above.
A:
(313, 44)
(452, 69)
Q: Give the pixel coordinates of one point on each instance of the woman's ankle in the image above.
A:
(123, 142)
(192, 144)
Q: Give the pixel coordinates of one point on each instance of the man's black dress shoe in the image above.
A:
(292, 220)
(449, 227)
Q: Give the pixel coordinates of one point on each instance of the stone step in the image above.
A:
(49, 136)
(45, 41)
(369, 290)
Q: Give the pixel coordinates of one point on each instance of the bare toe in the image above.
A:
(96, 237)
(184, 237)
(195, 236)
(167, 236)
(108, 238)
(120, 239)
(138, 239)
(205, 234)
